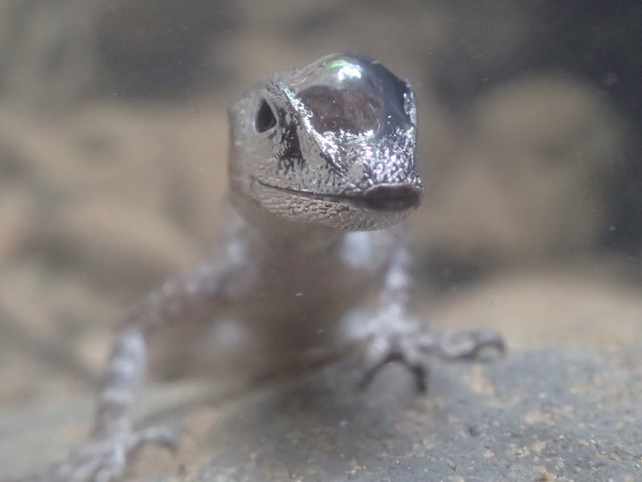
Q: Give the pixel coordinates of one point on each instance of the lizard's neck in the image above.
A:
(271, 233)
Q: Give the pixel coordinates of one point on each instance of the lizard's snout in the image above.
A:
(391, 198)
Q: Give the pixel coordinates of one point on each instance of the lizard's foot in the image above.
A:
(413, 343)
(105, 459)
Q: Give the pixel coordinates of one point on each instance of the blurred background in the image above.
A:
(113, 151)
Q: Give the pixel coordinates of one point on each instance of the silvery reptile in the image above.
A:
(321, 171)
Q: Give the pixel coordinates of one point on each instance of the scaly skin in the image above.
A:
(322, 170)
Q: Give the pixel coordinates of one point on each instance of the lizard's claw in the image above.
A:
(388, 347)
(413, 343)
(105, 459)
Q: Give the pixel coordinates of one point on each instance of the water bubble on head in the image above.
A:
(348, 94)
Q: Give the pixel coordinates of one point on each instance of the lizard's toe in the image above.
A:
(399, 347)
(468, 344)
(156, 435)
(414, 343)
(103, 459)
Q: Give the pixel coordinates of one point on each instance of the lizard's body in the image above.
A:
(322, 168)
(285, 301)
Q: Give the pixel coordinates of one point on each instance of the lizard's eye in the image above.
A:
(265, 118)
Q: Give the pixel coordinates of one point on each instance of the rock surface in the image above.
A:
(543, 415)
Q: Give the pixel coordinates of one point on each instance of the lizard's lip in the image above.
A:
(382, 198)
(391, 198)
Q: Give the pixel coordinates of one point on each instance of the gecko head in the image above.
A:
(332, 144)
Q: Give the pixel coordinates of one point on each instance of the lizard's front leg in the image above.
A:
(191, 297)
(397, 335)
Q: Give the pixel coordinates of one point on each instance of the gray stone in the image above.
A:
(551, 414)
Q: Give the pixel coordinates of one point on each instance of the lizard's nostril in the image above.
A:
(391, 198)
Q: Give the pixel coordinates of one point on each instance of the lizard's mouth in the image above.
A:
(382, 198)
(393, 198)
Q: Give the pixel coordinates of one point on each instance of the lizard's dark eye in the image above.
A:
(265, 118)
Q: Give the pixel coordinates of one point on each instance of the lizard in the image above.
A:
(322, 172)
